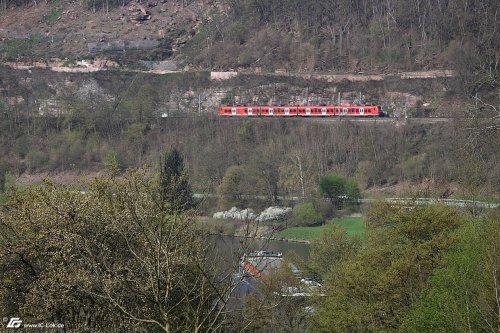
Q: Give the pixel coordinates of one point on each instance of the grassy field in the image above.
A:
(353, 226)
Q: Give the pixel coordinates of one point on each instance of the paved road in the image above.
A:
(433, 201)
(402, 201)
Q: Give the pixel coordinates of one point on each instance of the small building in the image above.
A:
(260, 263)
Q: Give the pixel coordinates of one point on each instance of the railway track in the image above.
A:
(351, 119)
(386, 120)
(326, 119)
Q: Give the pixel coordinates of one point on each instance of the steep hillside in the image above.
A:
(80, 122)
(414, 58)
(76, 30)
(370, 36)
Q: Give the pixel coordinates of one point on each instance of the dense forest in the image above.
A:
(354, 34)
(270, 154)
(96, 118)
(360, 35)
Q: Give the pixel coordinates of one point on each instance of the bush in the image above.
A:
(36, 160)
(52, 17)
(306, 215)
(388, 55)
(245, 59)
(215, 226)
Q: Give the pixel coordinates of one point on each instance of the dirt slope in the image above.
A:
(69, 26)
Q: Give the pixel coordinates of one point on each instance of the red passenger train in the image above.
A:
(302, 111)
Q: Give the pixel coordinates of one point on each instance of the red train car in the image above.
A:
(302, 111)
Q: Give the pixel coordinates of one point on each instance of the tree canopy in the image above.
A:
(339, 189)
(376, 289)
(174, 184)
(306, 215)
(109, 260)
(463, 294)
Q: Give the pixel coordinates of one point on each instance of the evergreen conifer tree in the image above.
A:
(174, 184)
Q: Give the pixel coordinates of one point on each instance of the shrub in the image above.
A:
(52, 17)
(306, 215)
(245, 59)
(36, 160)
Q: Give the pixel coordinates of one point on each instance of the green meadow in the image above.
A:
(353, 226)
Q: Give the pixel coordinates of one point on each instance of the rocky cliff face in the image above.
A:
(46, 92)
